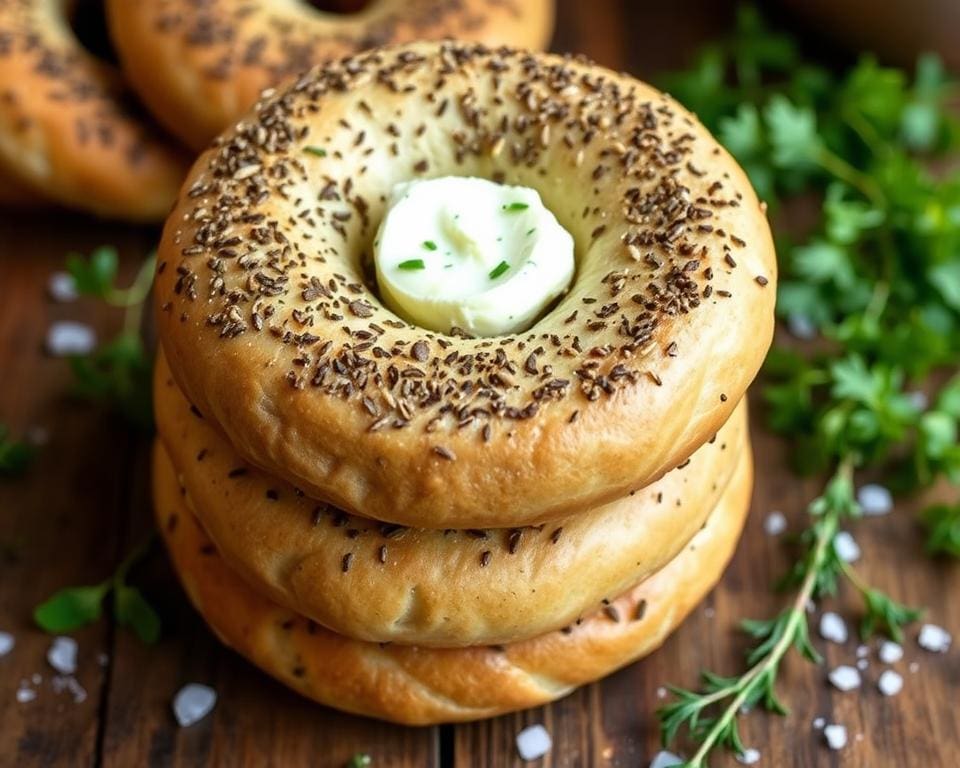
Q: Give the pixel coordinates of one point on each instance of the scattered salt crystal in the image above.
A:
(661, 692)
(845, 678)
(890, 683)
(709, 612)
(818, 723)
(6, 643)
(36, 678)
(863, 651)
(25, 693)
(62, 287)
(775, 524)
(801, 326)
(890, 652)
(836, 736)
(533, 742)
(193, 702)
(62, 655)
(748, 756)
(71, 685)
(665, 759)
(846, 547)
(862, 664)
(875, 500)
(833, 628)
(914, 667)
(934, 638)
(70, 338)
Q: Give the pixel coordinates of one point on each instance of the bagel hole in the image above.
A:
(88, 20)
(344, 7)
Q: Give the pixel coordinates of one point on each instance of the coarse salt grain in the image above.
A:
(533, 742)
(62, 287)
(193, 702)
(863, 651)
(748, 756)
(775, 523)
(70, 338)
(661, 692)
(801, 326)
(25, 693)
(833, 628)
(818, 723)
(875, 500)
(914, 667)
(836, 736)
(62, 655)
(846, 547)
(6, 643)
(890, 652)
(890, 683)
(845, 678)
(934, 638)
(862, 664)
(665, 759)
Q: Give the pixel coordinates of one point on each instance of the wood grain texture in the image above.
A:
(85, 503)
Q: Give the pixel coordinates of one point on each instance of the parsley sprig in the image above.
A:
(15, 455)
(118, 373)
(877, 279)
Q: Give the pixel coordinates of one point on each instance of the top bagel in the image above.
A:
(200, 66)
(273, 332)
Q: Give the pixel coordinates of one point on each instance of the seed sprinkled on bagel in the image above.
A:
(253, 272)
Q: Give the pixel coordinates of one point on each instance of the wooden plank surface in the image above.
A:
(86, 502)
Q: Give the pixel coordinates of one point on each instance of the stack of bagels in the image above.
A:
(429, 527)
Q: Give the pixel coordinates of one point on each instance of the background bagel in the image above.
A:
(272, 332)
(428, 587)
(67, 129)
(200, 66)
(418, 685)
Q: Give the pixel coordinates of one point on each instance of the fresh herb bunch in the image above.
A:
(117, 374)
(15, 455)
(74, 607)
(878, 281)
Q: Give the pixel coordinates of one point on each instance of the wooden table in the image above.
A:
(85, 503)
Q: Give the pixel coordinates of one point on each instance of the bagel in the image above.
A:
(419, 686)
(67, 129)
(200, 66)
(428, 587)
(272, 331)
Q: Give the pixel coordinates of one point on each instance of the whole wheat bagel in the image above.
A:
(428, 685)
(385, 583)
(273, 331)
(67, 130)
(200, 66)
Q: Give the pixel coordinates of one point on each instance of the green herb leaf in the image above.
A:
(71, 608)
(360, 760)
(94, 276)
(118, 375)
(499, 270)
(411, 264)
(943, 527)
(15, 455)
(430, 245)
(317, 151)
(132, 610)
(793, 133)
(510, 207)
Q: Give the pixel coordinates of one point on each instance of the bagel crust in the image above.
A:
(67, 130)
(386, 583)
(200, 66)
(420, 686)
(271, 330)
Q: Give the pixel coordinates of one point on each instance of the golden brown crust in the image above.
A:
(66, 127)
(421, 685)
(271, 330)
(385, 583)
(200, 66)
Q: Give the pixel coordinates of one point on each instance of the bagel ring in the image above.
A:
(200, 66)
(271, 331)
(67, 131)
(384, 583)
(420, 686)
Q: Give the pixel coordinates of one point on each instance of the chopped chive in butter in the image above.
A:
(499, 270)
(515, 207)
(430, 245)
(531, 231)
(412, 264)
(318, 151)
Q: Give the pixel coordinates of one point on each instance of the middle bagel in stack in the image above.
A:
(455, 347)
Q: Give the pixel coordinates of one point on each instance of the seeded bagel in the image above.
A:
(415, 685)
(67, 130)
(272, 329)
(386, 583)
(200, 66)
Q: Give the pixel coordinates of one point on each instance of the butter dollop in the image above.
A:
(462, 251)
